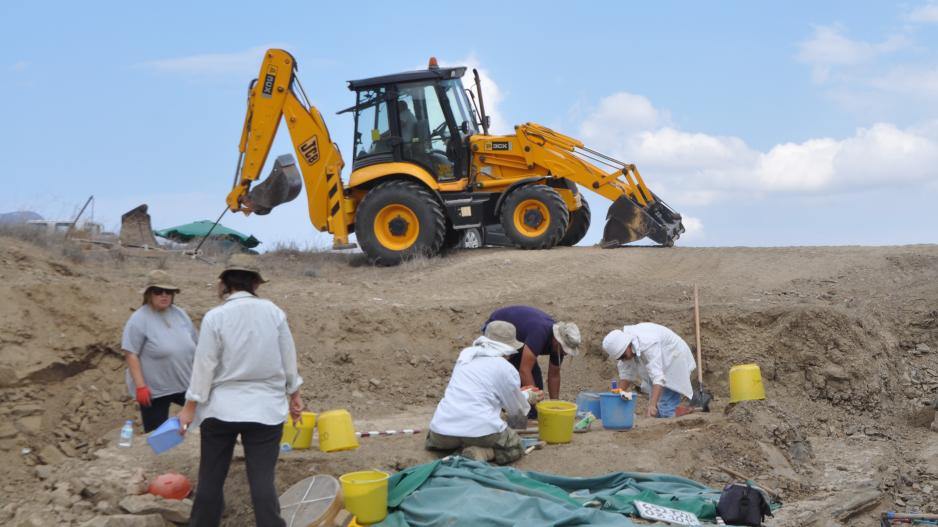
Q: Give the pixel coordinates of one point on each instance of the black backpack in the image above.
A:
(742, 505)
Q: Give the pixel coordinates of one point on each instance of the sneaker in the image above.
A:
(478, 453)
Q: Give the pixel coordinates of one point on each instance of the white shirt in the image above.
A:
(661, 357)
(475, 396)
(245, 363)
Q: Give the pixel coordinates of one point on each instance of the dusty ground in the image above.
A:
(847, 339)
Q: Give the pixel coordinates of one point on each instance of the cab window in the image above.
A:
(372, 126)
(425, 132)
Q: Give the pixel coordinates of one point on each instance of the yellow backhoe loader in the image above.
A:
(423, 173)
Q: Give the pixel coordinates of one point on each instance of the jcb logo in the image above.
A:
(310, 150)
(498, 145)
(269, 79)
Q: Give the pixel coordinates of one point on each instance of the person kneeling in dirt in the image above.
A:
(244, 382)
(656, 358)
(159, 346)
(483, 383)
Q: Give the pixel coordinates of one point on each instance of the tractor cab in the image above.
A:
(422, 117)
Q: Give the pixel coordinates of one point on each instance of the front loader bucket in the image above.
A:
(282, 185)
(627, 222)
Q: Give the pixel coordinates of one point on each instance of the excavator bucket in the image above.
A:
(626, 222)
(282, 185)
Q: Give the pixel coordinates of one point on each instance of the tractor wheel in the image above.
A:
(398, 220)
(534, 217)
(579, 224)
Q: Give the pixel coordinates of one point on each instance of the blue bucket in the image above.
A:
(588, 402)
(166, 436)
(618, 413)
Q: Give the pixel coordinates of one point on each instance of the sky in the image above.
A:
(763, 124)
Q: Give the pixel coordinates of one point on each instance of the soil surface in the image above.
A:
(846, 338)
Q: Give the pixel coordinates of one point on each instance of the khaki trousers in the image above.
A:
(506, 444)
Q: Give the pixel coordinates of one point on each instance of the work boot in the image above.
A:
(478, 453)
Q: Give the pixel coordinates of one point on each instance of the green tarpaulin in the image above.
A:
(458, 491)
(198, 229)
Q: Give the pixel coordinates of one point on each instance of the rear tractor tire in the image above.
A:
(579, 224)
(534, 217)
(399, 220)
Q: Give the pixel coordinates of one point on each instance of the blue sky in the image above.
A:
(800, 123)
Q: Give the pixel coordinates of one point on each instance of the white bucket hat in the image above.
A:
(161, 279)
(615, 343)
(503, 332)
(568, 335)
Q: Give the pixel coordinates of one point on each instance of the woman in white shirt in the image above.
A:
(244, 382)
(482, 385)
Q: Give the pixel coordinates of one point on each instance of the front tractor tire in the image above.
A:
(579, 224)
(534, 217)
(399, 220)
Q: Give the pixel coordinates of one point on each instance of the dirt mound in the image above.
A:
(847, 340)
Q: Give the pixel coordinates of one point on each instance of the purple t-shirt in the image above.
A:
(535, 328)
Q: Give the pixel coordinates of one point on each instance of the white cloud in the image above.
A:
(919, 81)
(244, 62)
(829, 47)
(925, 14)
(696, 168)
(693, 229)
(491, 93)
(20, 65)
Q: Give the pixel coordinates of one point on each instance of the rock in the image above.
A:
(922, 348)
(49, 455)
(176, 511)
(7, 377)
(29, 424)
(44, 472)
(137, 484)
(357, 394)
(374, 382)
(7, 430)
(27, 409)
(126, 520)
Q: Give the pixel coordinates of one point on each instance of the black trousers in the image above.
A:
(261, 447)
(158, 411)
(515, 360)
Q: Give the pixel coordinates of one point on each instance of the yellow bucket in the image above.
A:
(555, 421)
(336, 432)
(746, 383)
(366, 494)
(299, 436)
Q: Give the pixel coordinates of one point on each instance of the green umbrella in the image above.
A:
(197, 229)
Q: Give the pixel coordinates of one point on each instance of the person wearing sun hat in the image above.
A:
(244, 383)
(656, 359)
(541, 335)
(483, 384)
(159, 343)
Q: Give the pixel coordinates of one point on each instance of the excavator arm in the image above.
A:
(271, 98)
(636, 211)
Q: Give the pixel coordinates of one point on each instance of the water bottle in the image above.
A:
(614, 385)
(127, 435)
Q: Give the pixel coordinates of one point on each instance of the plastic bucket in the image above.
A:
(746, 383)
(555, 421)
(618, 413)
(366, 494)
(166, 436)
(336, 432)
(588, 402)
(299, 436)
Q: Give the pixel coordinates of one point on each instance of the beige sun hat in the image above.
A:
(568, 335)
(243, 262)
(504, 332)
(161, 279)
